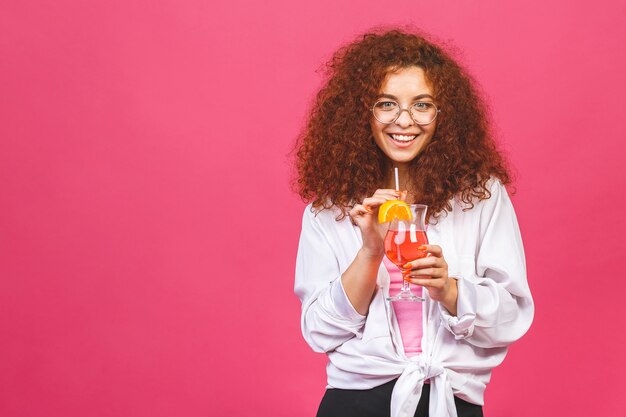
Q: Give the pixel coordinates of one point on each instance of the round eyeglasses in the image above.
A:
(388, 111)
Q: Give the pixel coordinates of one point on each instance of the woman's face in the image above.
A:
(404, 139)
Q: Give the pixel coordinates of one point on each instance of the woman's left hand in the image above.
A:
(431, 272)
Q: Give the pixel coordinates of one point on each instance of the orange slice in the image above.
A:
(394, 209)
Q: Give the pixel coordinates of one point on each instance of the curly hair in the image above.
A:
(337, 160)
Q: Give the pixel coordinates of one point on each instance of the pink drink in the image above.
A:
(401, 246)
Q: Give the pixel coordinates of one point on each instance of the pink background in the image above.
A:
(147, 230)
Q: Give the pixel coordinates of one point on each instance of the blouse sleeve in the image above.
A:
(494, 306)
(328, 318)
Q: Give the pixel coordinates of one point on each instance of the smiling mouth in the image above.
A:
(403, 139)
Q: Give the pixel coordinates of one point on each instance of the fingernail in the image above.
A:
(407, 265)
(421, 247)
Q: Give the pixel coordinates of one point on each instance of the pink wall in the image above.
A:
(148, 234)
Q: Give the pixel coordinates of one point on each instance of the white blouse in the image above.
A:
(484, 252)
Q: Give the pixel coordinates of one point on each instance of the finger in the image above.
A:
(359, 210)
(424, 263)
(387, 194)
(373, 202)
(429, 273)
(425, 282)
(434, 250)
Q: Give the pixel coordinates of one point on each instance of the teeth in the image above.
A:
(403, 138)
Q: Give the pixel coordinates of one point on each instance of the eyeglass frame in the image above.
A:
(408, 110)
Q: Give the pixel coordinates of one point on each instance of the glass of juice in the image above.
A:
(402, 241)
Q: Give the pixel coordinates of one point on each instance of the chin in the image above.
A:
(402, 157)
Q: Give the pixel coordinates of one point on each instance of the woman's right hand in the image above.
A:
(365, 216)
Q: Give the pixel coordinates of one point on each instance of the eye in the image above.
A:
(386, 105)
(423, 106)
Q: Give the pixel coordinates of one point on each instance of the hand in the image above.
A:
(365, 216)
(431, 272)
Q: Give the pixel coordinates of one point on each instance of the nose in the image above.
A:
(404, 120)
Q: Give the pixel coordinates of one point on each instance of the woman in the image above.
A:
(403, 359)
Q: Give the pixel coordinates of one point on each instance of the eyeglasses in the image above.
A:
(388, 111)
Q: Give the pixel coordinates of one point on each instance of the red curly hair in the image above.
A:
(337, 161)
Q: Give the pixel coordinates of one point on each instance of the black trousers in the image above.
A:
(376, 402)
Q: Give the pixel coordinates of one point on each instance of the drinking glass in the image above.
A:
(402, 241)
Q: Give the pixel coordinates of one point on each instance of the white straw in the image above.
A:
(395, 170)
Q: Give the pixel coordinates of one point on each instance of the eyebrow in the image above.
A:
(421, 96)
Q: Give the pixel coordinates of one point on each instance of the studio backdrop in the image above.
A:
(148, 231)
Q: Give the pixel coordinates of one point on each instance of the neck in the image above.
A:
(403, 176)
(404, 179)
